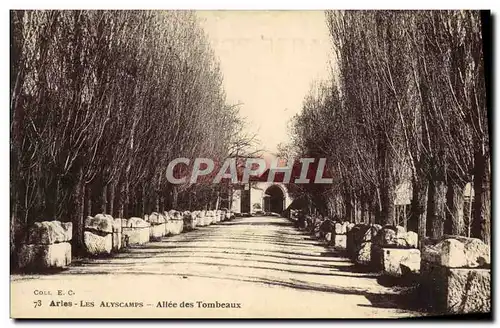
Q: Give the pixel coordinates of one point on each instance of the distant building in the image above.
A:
(262, 196)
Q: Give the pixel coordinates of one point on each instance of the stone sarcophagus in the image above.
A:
(157, 223)
(175, 223)
(210, 217)
(189, 219)
(136, 231)
(394, 251)
(339, 236)
(359, 242)
(201, 219)
(98, 234)
(456, 275)
(48, 246)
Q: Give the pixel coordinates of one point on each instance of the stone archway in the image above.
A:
(269, 193)
(253, 198)
(274, 199)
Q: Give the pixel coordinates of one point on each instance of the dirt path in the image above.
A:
(262, 263)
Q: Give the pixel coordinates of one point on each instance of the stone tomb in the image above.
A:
(210, 217)
(157, 226)
(339, 237)
(394, 251)
(325, 229)
(175, 223)
(359, 242)
(189, 220)
(455, 275)
(200, 219)
(98, 235)
(223, 215)
(227, 215)
(48, 246)
(135, 231)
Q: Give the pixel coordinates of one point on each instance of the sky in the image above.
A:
(269, 60)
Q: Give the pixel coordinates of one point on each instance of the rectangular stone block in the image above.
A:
(50, 232)
(453, 253)
(395, 262)
(156, 231)
(340, 241)
(174, 227)
(96, 244)
(136, 236)
(135, 222)
(363, 253)
(455, 290)
(168, 227)
(101, 223)
(178, 227)
(458, 252)
(200, 221)
(41, 257)
(357, 237)
(469, 290)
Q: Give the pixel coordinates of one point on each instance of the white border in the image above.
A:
(248, 4)
(201, 5)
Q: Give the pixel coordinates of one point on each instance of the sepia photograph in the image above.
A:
(250, 164)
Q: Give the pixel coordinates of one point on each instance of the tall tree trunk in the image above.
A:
(78, 199)
(357, 210)
(158, 194)
(51, 200)
(87, 190)
(104, 200)
(161, 199)
(57, 210)
(231, 197)
(436, 212)
(157, 201)
(419, 206)
(455, 224)
(348, 207)
(174, 195)
(217, 201)
(374, 210)
(143, 200)
(121, 200)
(365, 210)
(378, 208)
(387, 199)
(111, 209)
(126, 203)
(481, 224)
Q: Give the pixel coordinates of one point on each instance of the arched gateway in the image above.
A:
(261, 196)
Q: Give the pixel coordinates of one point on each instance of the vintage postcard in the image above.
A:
(250, 164)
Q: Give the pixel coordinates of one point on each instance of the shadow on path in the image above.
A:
(262, 250)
